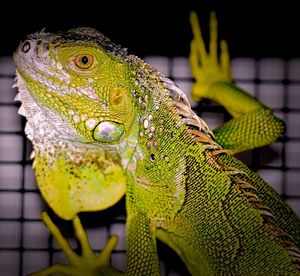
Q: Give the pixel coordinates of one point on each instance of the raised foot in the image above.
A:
(207, 68)
(87, 263)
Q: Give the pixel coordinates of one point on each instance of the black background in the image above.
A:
(252, 28)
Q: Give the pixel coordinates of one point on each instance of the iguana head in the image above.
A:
(76, 90)
(83, 78)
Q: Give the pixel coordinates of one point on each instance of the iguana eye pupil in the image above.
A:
(84, 60)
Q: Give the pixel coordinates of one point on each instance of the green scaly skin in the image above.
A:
(104, 123)
(253, 124)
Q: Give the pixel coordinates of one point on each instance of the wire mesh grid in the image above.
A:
(25, 243)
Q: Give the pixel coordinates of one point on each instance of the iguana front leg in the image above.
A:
(253, 124)
(88, 264)
(142, 258)
(141, 253)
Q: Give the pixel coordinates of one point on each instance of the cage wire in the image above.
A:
(26, 244)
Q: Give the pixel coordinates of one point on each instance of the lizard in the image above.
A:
(104, 124)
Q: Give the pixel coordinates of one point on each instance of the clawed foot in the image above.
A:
(207, 68)
(87, 264)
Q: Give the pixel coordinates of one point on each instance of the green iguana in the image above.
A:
(104, 124)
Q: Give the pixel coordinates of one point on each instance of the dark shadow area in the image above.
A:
(171, 259)
(245, 156)
(268, 154)
(251, 28)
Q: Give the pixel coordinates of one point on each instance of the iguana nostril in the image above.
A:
(26, 47)
(108, 131)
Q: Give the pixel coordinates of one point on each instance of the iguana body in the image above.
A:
(104, 123)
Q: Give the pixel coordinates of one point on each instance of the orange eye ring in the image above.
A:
(84, 61)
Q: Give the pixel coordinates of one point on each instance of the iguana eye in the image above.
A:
(84, 61)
